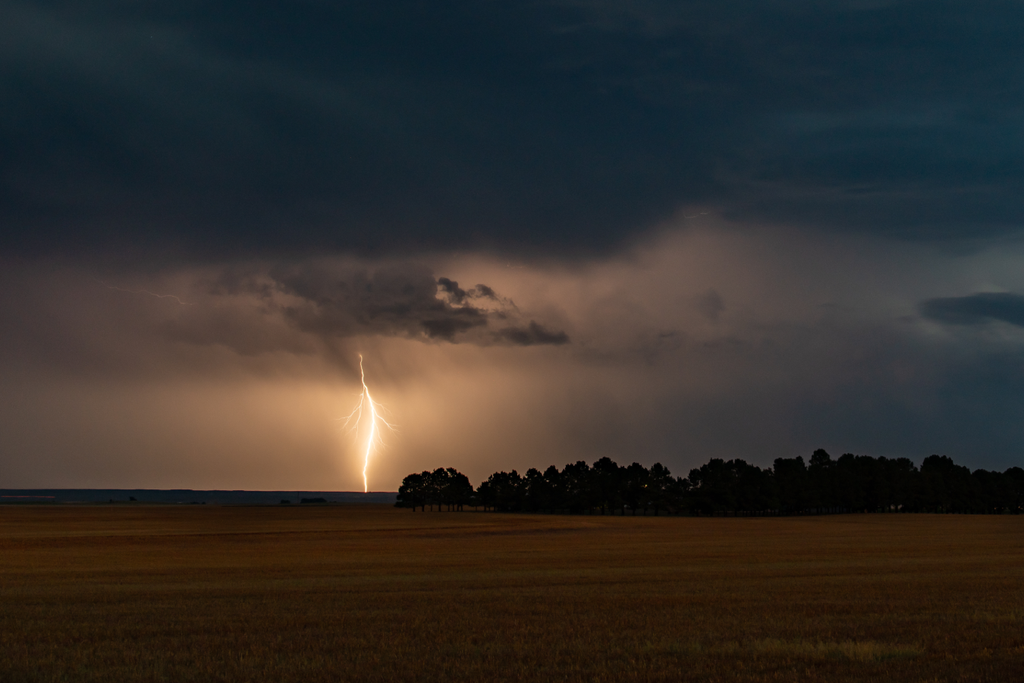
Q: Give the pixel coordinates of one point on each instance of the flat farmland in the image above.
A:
(365, 593)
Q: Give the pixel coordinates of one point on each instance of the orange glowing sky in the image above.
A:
(702, 341)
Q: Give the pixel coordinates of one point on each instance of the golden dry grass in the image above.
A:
(359, 593)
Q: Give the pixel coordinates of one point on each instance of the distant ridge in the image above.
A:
(189, 496)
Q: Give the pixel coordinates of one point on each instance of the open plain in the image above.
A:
(368, 593)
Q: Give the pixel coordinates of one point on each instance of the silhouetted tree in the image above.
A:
(756, 490)
(793, 484)
(605, 483)
(577, 490)
(485, 495)
(821, 477)
(553, 490)
(504, 491)
(635, 481)
(853, 483)
(947, 486)
(539, 490)
(712, 487)
(1013, 481)
(412, 492)
(662, 490)
(435, 483)
(443, 486)
(455, 488)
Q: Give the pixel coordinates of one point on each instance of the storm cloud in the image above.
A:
(533, 334)
(397, 300)
(976, 309)
(576, 125)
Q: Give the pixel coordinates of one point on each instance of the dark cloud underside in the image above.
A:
(976, 309)
(252, 127)
(333, 301)
(533, 334)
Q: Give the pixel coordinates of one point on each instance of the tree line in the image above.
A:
(851, 483)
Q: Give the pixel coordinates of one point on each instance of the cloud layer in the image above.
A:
(574, 125)
(976, 309)
(709, 342)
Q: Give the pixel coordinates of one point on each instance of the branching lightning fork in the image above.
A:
(355, 418)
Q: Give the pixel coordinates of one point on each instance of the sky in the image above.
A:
(556, 230)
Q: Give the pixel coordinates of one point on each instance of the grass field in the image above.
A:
(363, 593)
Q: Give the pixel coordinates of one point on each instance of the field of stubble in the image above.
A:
(361, 593)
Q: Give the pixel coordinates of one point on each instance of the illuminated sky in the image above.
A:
(657, 231)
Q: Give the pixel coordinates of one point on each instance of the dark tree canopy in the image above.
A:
(442, 487)
(852, 483)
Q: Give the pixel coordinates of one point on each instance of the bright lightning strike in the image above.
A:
(369, 409)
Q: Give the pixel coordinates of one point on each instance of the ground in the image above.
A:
(367, 593)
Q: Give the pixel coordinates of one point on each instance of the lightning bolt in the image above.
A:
(369, 409)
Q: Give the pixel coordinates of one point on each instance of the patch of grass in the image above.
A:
(354, 593)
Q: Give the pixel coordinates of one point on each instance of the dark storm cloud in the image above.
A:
(458, 295)
(333, 301)
(391, 301)
(229, 127)
(976, 309)
(533, 334)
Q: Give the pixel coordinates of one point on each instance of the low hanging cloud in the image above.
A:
(533, 334)
(976, 309)
(335, 301)
(459, 295)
